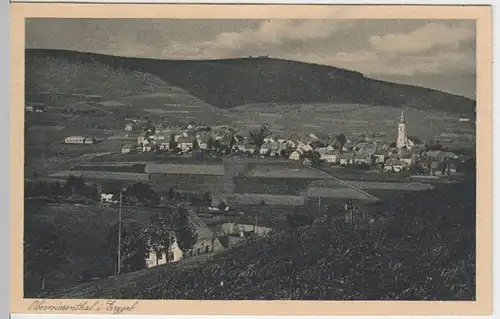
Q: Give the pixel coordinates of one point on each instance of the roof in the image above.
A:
(75, 136)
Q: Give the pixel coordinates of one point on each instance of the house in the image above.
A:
(409, 159)
(185, 144)
(330, 148)
(295, 156)
(346, 158)
(291, 144)
(206, 242)
(107, 198)
(126, 148)
(164, 146)
(395, 166)
(361, 159)
(379, 158)
(79, 140)
(331, 157)
(169, 255)
(28, 108)
(129, 127)
(305, 147)
(265, 149)
(269, 139)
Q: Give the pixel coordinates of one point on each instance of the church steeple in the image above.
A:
(402, 119)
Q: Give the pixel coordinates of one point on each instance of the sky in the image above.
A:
(438, 54)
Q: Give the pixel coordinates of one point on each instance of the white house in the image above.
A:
(126, 149)
(78, 140)
(295, 156)
(164, 146)
(265, 149)
(379, 158)
(394, 165)
(346, 158)
(409, 159)
(169, 255)
(107, 198)
(185, 144)
(304, 147)
(330, 157)
(129, 127)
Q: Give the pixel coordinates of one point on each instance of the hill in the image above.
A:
(423, 251)
(233, 82)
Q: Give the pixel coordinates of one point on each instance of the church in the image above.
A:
(403, 141)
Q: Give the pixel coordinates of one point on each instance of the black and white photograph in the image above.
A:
(247, 159)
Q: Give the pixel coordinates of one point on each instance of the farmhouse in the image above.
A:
(207, 242)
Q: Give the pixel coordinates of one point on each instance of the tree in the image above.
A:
(74, 186)
(341, 139)
(155, 235)
(222, 205)
(196, 146)
(258, 136)
(185, 233)
(207, 199)
(172, 144)
(142, 191)
(93, 192)
(210, 143)
(133, 248)
(416, 170)
(45, 249)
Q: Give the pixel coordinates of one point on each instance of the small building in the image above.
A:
(126, 149)
(265, 149)
(379, 158)
(395, 166)
(409, 159)
(28, 108)
(129, 127)
(346, 158)
(361, 159)
(107, 198)
(185, 144)
(295, 156)
(331, 157)
(79, 140)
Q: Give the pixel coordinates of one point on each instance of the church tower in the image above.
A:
(402, 138)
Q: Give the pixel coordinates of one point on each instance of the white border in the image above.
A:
(4, 141)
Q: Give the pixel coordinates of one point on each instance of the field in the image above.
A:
(271, 185)
(84, 227)
(104, 175)
(292, 170)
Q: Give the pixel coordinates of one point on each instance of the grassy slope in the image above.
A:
(424, 251)
(232, 82)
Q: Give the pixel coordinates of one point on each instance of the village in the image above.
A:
(221, 226)
(407, 153)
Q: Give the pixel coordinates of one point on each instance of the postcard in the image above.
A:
(251, 159)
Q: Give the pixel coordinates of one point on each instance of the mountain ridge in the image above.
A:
(226, 83)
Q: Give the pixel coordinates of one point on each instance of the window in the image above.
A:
(207, 249)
